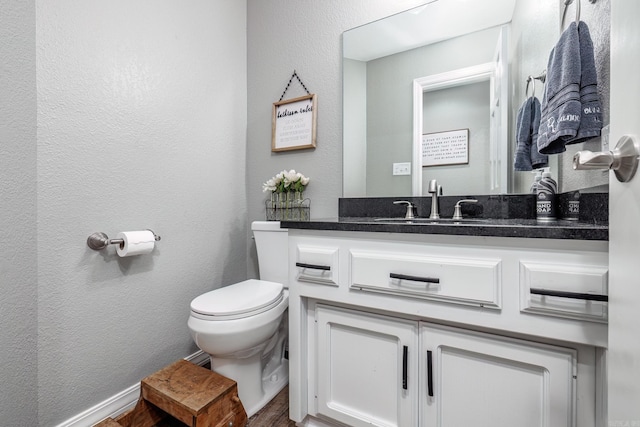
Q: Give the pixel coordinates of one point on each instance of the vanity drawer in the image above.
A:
(317, 264)
(469, 281)
(567, 290)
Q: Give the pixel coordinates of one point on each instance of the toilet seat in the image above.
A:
(237, 301)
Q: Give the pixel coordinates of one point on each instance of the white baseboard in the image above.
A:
(119, 403)
(310, 421)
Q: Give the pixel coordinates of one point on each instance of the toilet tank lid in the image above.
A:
(267, 226)
(242, 297)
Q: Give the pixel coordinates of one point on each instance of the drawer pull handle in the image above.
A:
(313, 266)
(430, 373)
(573, 295)
(414, 278)
(405, 356)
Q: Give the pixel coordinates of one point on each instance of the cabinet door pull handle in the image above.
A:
(573, 295)
(414, 278)
(405, 356)
(430, 373)
(313, 266)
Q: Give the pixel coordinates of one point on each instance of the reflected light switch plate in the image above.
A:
(402, 168)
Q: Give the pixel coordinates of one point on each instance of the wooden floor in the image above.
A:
(275, 413)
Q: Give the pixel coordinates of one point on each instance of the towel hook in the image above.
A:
(542, 77)
(531, 80)
(564, 12)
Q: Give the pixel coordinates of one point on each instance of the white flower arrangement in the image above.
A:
(286, 181)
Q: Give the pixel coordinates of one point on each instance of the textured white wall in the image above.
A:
(141, 124)
(18, 274)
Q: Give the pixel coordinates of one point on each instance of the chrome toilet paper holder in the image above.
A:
(99, 240)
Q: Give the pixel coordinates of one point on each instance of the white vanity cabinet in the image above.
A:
(476, 379)
(363, 365)
(380, 370)
(426, 330)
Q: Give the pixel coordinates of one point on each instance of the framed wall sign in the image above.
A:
(294, 124)
(445, 148)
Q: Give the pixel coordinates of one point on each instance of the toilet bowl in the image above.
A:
(243, 327)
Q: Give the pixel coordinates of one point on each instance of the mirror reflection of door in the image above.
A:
(473, 98)
(461, 99)
(460, 107)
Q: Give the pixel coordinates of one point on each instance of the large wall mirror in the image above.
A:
(444, 66)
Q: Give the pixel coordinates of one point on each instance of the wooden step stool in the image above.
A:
(195, 395)
(190, 393)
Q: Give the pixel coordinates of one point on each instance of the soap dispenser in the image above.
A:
(546, 198)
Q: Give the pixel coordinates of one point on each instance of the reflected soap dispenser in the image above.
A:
(534, 185)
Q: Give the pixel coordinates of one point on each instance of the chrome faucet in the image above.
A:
(435, 190)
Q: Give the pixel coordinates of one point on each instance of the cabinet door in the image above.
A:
(481, 380)
(367, 368)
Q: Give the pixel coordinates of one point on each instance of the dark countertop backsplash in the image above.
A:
(594, 207)
(497, 215)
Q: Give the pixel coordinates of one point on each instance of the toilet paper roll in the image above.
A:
(135, 243)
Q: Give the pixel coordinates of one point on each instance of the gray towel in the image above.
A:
(561, 101)
(527, 156)
(538, 160)
(591, 115)
(523, 138)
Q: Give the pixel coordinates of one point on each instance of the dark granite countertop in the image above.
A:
(492, 215)
(523, 228)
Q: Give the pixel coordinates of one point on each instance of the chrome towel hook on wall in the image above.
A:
(99, 240)
(623, 160)
(531, 79)
(564, 12)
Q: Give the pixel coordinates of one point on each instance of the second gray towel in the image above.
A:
(527, 156)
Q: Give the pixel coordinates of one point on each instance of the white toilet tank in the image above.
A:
(273, 251)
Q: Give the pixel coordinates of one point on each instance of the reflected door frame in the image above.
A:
(496, 72)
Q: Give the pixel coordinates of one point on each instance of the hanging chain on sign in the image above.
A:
(289, 84)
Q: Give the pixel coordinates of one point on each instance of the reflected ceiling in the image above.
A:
(426, 24)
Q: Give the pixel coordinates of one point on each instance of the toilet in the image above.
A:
(243, 327)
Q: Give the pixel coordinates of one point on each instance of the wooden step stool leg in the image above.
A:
(195, 395)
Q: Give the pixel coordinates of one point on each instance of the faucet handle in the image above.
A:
(457, 209)
(409, 214)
